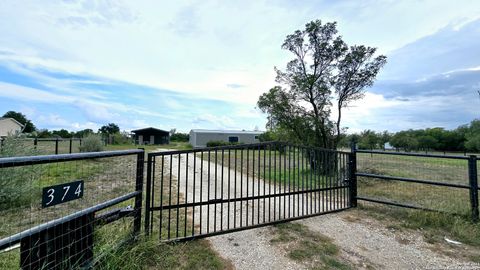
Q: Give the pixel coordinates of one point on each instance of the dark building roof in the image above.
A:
(150, 129)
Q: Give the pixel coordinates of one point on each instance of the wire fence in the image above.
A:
(45, 146)
(429, 182)
(52, 205)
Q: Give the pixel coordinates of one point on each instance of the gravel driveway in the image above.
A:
(364, 244)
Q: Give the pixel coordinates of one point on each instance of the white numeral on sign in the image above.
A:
(67, 188)
(78, 191)
(50, 195)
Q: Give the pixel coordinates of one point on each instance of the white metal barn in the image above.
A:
(200, 137)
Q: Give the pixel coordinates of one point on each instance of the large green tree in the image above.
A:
(325, 74)
(21, 118)
(111, 128)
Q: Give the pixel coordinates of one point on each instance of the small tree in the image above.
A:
(325, 74)
(22, 119)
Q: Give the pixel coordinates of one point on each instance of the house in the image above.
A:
(151, 135)
(10, 127)
(200, 137)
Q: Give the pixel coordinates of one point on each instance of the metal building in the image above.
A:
(151, 135)
(200, 137)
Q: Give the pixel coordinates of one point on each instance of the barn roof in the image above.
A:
(150, 129)
(15, 121)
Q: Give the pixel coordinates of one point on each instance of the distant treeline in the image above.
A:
(463, 138)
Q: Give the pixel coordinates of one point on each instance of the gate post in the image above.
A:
(56, 146)
(137, 222)
(352, 166)
(147, 195)
(472, 175)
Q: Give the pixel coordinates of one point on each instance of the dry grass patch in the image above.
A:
(312, 249)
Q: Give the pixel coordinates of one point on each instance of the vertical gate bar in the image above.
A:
(221, 192)
(275, 183)
(319, 178)
(137, 223)
(324, 181)
(310, 193)
(258, 190)
(215, 194)
(201, 191)
(208, 192)
(228, 187)
(313, 167)
(472, 175)
(341, 169)
(186, 194)
(264, 181)
(270, 182)
(289, 182)
(241, 186)
(345, 191)
(178, 192)
(70, 146)
(35, 142)
(170, 197)
(246, 215)
(304, 200)
(194, 191)
(253, 185)
(56, 146)
(280, 180)
(235, 192)
(284, 180)
(161, 193)
(353, 176)
(298, 178)
(147, 194)
(335, 179)
(152, 194)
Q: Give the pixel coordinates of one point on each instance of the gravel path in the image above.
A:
(248, 249)
(365, 244)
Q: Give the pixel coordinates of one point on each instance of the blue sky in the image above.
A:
(203, 64)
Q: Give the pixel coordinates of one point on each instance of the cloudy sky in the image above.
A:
(203, 64)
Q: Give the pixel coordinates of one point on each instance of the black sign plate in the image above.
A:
(58, 194)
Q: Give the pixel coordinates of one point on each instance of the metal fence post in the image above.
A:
(352, 165)
(70, 148)
(472, 175)
(137, 223)
(56, 146)
(147, 195)
(35, 142)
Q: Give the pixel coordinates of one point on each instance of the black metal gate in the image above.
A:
(210, 191)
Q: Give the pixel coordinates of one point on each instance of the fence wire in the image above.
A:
(435, 183)
(42, 146)
(37, 233)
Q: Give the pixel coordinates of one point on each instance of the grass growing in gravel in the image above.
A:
(149, 253)
(433, 226)
(312, 249)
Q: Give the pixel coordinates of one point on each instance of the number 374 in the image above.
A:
(62, 193)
